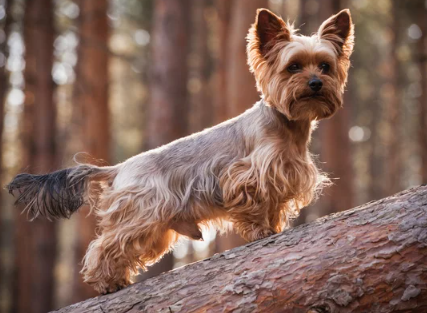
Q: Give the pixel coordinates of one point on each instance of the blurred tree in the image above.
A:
(241, 91)
(167, 114)
(4, 86)
(4, 78)
(393, 109)
(35, 249)
(91, 109)
(422, 59)
(199, 85)
(306, 21)
(223, 30)
(167, 117)
(369, 83)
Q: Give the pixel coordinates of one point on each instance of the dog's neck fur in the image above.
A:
(295, 135)
(276, 164)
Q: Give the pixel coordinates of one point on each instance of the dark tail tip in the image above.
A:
(55, 195)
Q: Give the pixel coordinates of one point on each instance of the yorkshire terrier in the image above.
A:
(254, 170)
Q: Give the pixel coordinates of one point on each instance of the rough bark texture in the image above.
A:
(35, 243)
(92, 113)
(369, 259)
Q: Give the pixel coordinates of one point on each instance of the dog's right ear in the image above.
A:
(269, 29)
(264, 34)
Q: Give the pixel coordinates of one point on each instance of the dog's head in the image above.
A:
(302, 77)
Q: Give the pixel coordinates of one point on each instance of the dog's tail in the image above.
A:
(61, 193)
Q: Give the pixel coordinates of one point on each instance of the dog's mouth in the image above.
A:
(317, 96)
(312, 96)
(316, 104)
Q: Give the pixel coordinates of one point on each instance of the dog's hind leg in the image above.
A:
(105, 268)
(115, 255)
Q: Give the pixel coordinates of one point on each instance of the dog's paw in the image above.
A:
(106, 288)
(260, 233)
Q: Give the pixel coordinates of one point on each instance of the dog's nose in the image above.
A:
(315, 84)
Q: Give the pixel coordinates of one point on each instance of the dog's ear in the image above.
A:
(339, 30)
(269, 29)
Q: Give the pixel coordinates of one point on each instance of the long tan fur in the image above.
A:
(254, 170)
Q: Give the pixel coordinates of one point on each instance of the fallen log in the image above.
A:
(368, 259)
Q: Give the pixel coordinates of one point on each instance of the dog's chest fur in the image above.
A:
(277, 169)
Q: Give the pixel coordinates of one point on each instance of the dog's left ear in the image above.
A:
(339, 30)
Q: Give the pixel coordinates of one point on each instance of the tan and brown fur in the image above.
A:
(254, 170)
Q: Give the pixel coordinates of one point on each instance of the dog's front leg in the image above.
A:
(248, 207)
(251, 228)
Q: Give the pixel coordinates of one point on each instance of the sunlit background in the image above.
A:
(115, 78)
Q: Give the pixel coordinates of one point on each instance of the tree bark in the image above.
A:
(372, 258)
(91, 113)
(35, 248)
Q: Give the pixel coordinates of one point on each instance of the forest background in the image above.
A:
(115, 78)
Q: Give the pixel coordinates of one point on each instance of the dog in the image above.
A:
(254, 170)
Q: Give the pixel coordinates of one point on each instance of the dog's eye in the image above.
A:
(294, 68)
(324, 67)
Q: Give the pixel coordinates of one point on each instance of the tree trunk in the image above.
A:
(201, 108)
(91, 105)
(35, 249)
(4, 86)
(4, 77)
(368, 259)
(223, 31)
(168, 110)
(422, 51)
(336, 155)
(241, 90)
(394, 166)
